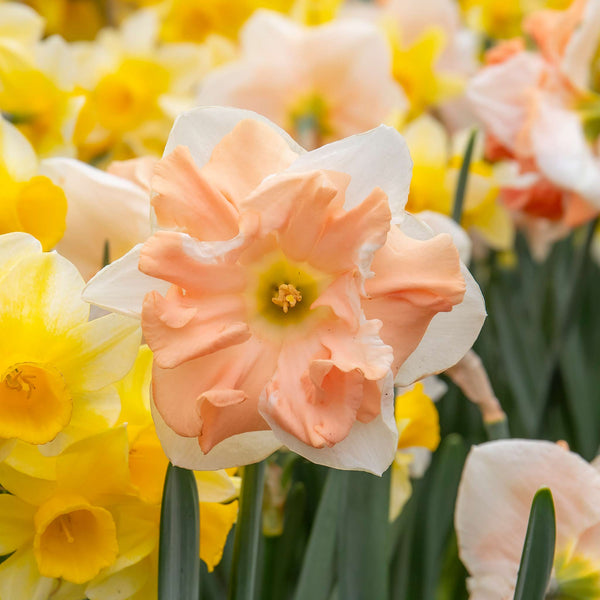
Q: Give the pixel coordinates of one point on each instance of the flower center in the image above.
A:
(287, 296)
(73, 539)
(575, 577)
(35, 404)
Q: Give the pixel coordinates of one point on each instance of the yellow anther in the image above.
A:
(287, 296)
(16, 380)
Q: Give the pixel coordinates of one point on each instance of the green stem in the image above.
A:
(243, 582)
(463, 176)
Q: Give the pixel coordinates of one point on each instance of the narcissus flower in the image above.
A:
(492, 510)
(56, 366)
(29, 201)
(319, 83)
(283, 291)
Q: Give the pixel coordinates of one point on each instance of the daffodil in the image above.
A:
(419, 435)
(147, 467)
(319, 83)
(56, 367)
(256, 294)
(134, 87)
(30, 202)
(492, 509)
(435, 176)
(20, 26)
(37, 94)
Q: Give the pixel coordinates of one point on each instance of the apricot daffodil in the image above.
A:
(57, 367)
(497, 487)
(257, 295)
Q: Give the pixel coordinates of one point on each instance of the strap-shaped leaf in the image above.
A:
(179, 546)
(538, 550)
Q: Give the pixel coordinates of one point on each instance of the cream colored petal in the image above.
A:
(494, 498)
(368, 447)
(122, 584)
(99, 352)
(20, 23)
(17, 155)
(101, 208)
(15, 247)
(235, 451)
(379, 157)
(201, 129)
(400, 489)
(16, 523)
(20, 572)
(6, 447)
(121, 287)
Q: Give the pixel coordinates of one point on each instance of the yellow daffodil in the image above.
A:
(56, 366)
(134, 88)
(415, 68)
(29, 202)
(37, 94)
(315, 12)
(435, 176)
(62, 524)
(419, 429)
(147, 466)
(20, 26)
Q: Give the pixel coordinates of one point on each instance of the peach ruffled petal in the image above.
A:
(578, 211)
(185, 198)
(343, 298)
(414, 280)
(136, 170)
(351, 237)
(165, 256)
(215, 396)
(177, 331)
(244, 157)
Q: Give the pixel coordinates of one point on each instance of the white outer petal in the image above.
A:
(235, 451)
(20, 23)
(121, 286)
(16, 153)
(562, 152)
(202, 128)
(448, 338)
(369, 447)
(376, 158)
(494, 498)
(101, 207)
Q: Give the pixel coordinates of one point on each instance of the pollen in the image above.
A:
(287, 296)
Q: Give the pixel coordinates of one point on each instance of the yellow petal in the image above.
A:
(216, 486)
(400, 487)
(417, 419)
(30, 489)
(28, 459)
(42, 210)
(428, 141)
(17, 156)
(122, 584)
(134, 390)
(99, 352)
(216, 520)
(148, 465)
(20, 572)
(96, 466)
(16, 523)
(73, 539)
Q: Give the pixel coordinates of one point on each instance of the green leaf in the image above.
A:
(179, 545)
(317, 575)
(538, 551)
(243, 582)
(363, 528)
(463, 177)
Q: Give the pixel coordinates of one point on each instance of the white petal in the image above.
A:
(449, 336)
(20, 23)
(582, 47)
(494, 498)
(16, 153)
(201, 129)
(121, 286)
(440, 223)
(562, 152)
(235, 451)
(269, 34)
(500, 95)
(369, 447)
(377, 158)
(14, 247)
(101, 208)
